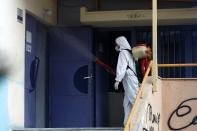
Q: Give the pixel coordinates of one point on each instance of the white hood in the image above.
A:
(123, 43)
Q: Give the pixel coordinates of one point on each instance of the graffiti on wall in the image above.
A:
(152, 120)
(185, 113)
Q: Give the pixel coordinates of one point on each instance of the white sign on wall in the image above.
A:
(28, 37)
(28, 48)
(20, 15)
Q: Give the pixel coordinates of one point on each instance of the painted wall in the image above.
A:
(172, 107)
(154, 118)
(179, 102)
(148, 114)
(12, 43)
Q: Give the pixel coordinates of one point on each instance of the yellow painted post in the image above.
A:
(154, 44)
(178, 65)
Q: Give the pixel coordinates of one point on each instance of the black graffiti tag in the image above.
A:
(151, 118)
(151, 129)
(149, 112)
(177, 113)
(156, 118)
(144, 129)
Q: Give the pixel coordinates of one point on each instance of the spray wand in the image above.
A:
(105, 66)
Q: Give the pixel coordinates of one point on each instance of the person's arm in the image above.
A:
(121, 66)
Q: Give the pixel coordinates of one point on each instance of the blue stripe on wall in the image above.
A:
(4, 122)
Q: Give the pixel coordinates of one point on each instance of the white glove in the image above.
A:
(116, 85)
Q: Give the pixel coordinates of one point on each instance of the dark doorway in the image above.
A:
(109, 109)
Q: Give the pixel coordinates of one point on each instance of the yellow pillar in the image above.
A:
(154, 44)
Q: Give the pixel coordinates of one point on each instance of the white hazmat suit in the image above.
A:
(125, 73)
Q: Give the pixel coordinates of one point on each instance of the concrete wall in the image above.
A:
(12, 43)
(155, 118)
(148, 113)
(172, 107)
(115, 109)
(179, 100)
(69, 10)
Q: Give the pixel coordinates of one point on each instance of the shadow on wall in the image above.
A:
(4, 63)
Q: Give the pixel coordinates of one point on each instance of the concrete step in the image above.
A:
(69, 129)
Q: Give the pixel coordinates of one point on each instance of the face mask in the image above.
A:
(117, 48)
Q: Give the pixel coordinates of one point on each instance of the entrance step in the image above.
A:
(69, 129)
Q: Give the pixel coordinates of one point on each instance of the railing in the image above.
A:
(182, 73)
(140, 92)
(178, 65)
(139, 96)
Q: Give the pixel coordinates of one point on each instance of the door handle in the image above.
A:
(33, 73)
(88, 77)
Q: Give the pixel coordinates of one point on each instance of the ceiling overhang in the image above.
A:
(125, 18)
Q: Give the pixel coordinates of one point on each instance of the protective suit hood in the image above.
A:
(123, 43)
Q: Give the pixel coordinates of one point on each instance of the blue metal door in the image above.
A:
(31, 63)
(71, 101)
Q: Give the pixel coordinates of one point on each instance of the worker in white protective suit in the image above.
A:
(126, 73)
